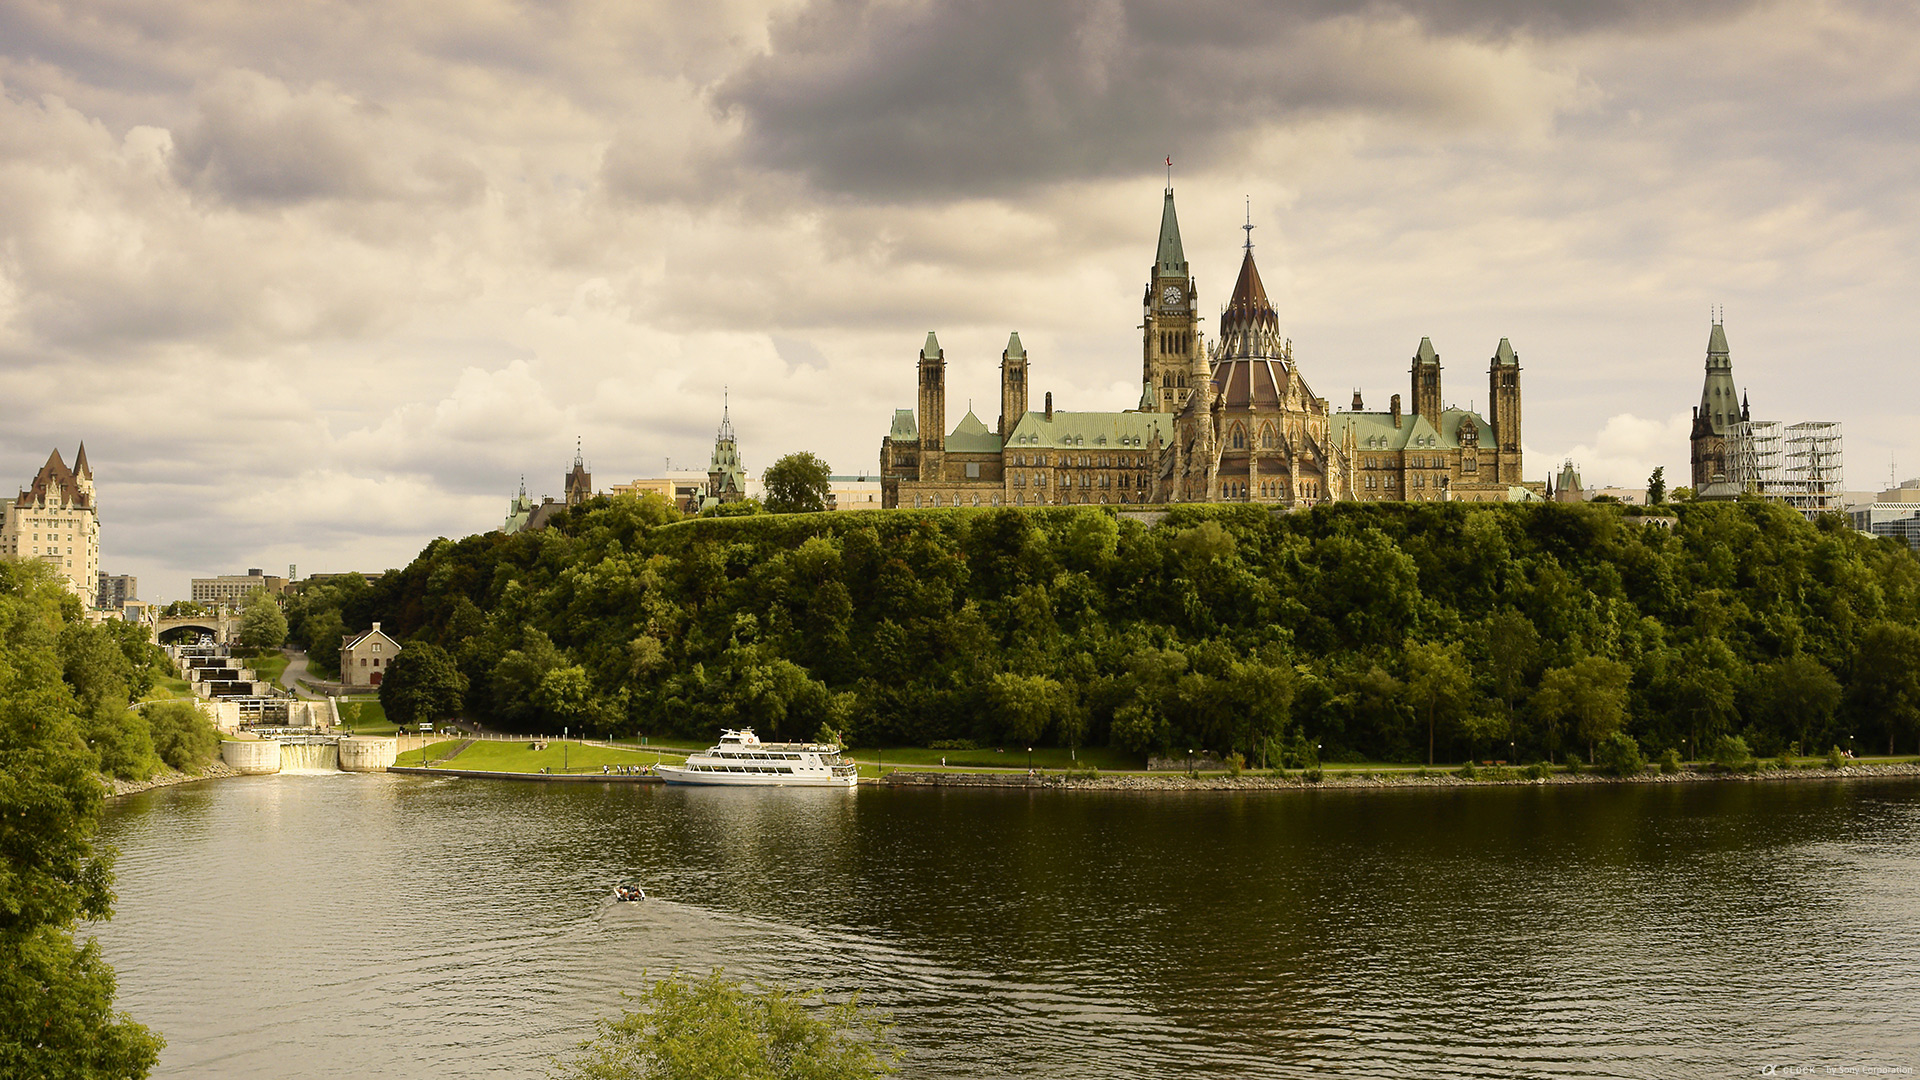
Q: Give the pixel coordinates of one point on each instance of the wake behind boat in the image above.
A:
(742, 760)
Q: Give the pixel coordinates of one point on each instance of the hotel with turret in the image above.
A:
(1227, 420)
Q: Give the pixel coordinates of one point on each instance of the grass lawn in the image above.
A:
(1055, 758)
(364, 716)
(166, 689)
(514, 756)
(267, 668)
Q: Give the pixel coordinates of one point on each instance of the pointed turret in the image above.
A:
(1013, 385)
(1249, 319)
(1504, 356)
(80, 466)
(1717, 435)
(1426, 382)
(1147, 402)
(933, 409)
(1171, 259)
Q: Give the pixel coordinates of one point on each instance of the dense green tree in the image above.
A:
(1887, 678)
(797, 484)
(1222, 627)
(56, 995)
(183, 737)
(1589, 696)
(704, 1028)
(422, 685)
(1795, 698)
(1657, 486)
(1437, 685)
(324, 632)
(262, 624)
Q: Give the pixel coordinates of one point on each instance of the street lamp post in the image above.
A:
(1029, 761)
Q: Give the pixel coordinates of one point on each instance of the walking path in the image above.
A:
(296, 670)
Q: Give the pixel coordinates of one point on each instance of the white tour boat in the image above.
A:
(742, 760)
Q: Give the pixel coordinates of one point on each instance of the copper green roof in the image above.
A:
(904, 425)
(970, 436)
(1171, 260)
(1425, 354)
(1375, 430)
(1504, 356)
(1090, 430)
(1014, 349)
(1719, 397)
(931, 350)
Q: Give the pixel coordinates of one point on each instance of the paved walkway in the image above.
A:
(296, 670)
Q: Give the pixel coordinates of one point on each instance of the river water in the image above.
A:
(337, 925)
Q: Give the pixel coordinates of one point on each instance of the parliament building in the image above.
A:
(1227, 420)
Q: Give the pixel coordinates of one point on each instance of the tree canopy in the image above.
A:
(797, 484)
(56, 996)
(714, 1026)
(422, 685)
(1368, 630)
(262, 624)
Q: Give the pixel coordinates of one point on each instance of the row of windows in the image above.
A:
(1019, 499)
(1085, 461)
(1414, 461)
(1269, 489)
(1175, 341)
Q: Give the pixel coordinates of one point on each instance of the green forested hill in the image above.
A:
(1367, 628)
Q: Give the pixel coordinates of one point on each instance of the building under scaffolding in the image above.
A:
(1799, 465)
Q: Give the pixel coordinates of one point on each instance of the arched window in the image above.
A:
(1239, 438)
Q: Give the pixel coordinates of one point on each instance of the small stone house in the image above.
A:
(365, 657)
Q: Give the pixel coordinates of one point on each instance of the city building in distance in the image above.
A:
(235, 588)
(115, 590)
(56, 520)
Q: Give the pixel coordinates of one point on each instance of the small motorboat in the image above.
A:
(628, 891)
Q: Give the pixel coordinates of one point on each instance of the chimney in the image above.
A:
(376, 628)
(1396, 410)
(1049, 405)
(1358, 405)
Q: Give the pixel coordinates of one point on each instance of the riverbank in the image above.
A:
(1249, 782)
(166, 777)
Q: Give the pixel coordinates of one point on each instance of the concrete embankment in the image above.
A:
(361, 754)
(255, 757)
(562, 778)
(1157, 782)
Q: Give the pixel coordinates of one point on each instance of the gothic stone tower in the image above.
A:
(1426, 383)
(1013, 385)
(726, 475)
(1170, 332)
(1503, 398)
(579, 482)
(1717, 418)
(933, 410)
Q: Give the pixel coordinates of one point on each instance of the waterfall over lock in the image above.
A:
(317, 757)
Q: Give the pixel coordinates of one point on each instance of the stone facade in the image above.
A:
(365, 657)
(1716, 423)
(1437, 452)
(1233, 420)
(56, 519)
(1251, 430)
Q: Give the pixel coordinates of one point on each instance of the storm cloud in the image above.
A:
(317, 283)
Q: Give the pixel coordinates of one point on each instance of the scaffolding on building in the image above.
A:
(1815, 466)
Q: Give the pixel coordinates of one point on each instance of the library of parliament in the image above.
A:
(1225, 420)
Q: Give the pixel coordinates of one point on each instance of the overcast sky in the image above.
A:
(317, 283)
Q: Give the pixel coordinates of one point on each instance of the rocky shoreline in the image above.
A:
(166, 777)
(1294, 782)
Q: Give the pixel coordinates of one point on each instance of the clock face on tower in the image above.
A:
(1171, 296)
